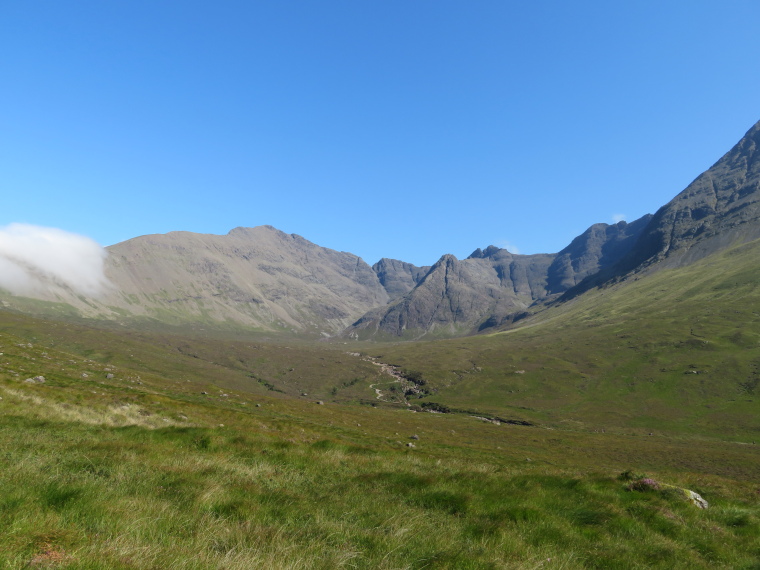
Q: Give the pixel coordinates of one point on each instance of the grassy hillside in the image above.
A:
(155, 450)
(131, 468)
(675, 352)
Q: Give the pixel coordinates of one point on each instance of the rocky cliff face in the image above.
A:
(721, 207)
(493, 286)
(398, 277)
(456, 297)
(600, 246)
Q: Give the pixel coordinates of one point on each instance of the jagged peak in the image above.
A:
(446, 258)
(488, 252)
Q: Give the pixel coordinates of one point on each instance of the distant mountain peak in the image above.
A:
(488, 252)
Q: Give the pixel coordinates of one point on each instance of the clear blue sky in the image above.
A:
(393, 128)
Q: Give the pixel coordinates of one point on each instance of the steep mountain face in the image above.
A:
(258, 277)
(598, 247)
(455, 296)
(719, 209)
(493, 286)
(398, 277)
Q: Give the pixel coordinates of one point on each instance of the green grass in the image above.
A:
(151, 449)
(214, 498)
(142, 470)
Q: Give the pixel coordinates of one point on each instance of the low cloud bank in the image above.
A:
(34, 257)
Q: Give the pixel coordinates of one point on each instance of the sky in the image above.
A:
(397, 128)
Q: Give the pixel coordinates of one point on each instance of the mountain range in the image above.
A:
(266, 280)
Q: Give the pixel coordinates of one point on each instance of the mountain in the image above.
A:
(600, 246)
(493, 286)
(264, 279)
(720, 208)
(258, 277)
(455, 296)
(253, 278)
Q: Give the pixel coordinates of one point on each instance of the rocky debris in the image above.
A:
(411, 445)
(408, 386)
(109, 376)
(84, 375)
(415, 436)
(35, 380)
(696, 499)
(649, 484)
(498, 421)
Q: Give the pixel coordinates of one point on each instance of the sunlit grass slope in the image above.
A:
(677, 351)
(135, 454)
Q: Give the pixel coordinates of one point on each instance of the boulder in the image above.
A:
(35, 380)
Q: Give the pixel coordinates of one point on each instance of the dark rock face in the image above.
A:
(493, 286)
(398, 277)
(721, 207)
(456, 297)
(600, 246)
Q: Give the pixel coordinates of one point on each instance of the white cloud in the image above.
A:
(31, 257)
(510, 247)
(618, 218)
